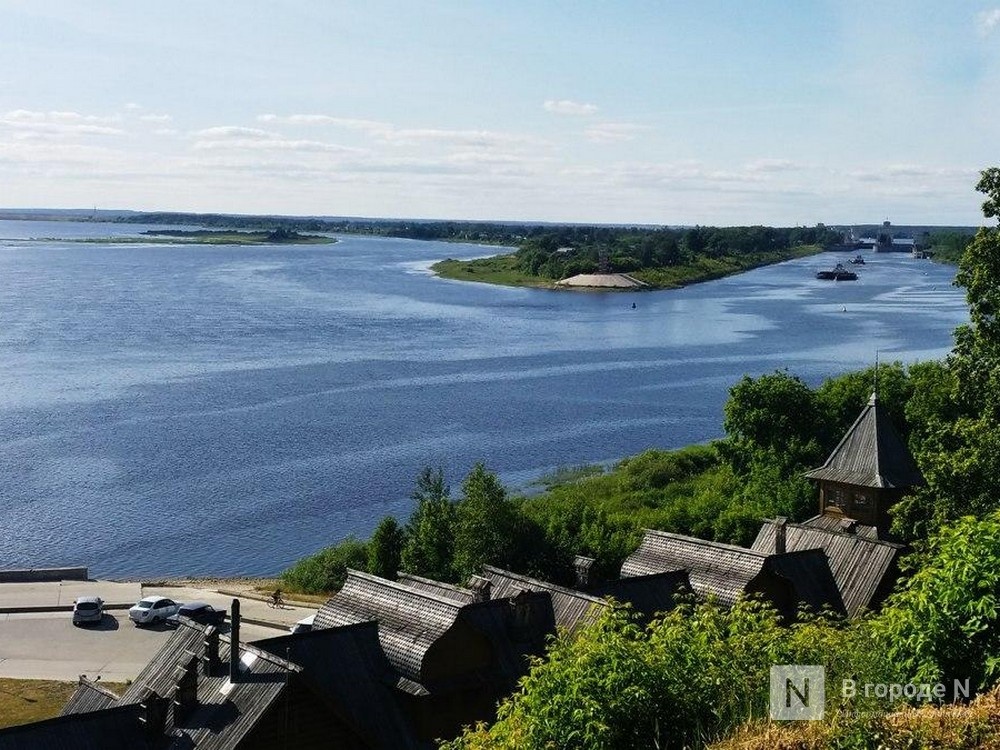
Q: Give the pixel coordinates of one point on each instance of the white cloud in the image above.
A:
(315, 119)
(772, 165)
(235, 137)
(613, 132)
(988, 20)
(156, 118)
(569, 107)
(30, 124)
(223, 132)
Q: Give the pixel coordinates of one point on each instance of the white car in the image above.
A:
(153, 609)
(304, 625)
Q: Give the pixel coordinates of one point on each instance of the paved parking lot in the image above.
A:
(48, 646)
(40, 644)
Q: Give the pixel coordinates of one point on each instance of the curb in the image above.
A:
(265, 623)
(52, 608)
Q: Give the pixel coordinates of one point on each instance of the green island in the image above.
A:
(661, 258)
(507, 271)
(697, 675)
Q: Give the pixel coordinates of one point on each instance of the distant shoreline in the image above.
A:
(200, 237)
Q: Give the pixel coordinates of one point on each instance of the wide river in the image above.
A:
(173, 409)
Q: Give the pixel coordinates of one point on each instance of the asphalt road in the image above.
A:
(48, 646)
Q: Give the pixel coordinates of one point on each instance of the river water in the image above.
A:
(169, 409)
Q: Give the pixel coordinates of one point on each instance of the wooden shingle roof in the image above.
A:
(839, 523)
(115, 728)
(725, 571)
(346, 666)
(863, 568)
(716, 569)
(570, 608)
(89, 696)
(447, 590)
(226, 711)
(871, 454)
(649, 595)
(410, 620)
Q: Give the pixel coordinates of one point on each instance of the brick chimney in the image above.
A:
(780, 535)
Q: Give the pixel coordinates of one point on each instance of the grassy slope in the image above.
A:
(500, 269)
(958, 727)
(25, 701)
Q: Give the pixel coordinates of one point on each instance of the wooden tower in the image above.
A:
(869, 470)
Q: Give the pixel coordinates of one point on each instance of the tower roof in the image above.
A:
(871, 454)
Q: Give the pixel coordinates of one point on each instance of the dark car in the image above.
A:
(202, 613)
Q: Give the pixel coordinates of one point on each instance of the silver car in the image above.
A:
(88, 609)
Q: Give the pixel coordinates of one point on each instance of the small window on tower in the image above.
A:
(861, 500)
(837, 497)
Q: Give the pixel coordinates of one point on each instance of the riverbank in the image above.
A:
(503, 270)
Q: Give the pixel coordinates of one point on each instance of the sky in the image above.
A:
(660, 112)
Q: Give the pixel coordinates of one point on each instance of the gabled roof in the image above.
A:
(346, 666)
(720, 570)
(89, 696)
(840, 523)
(116, 728)
(649, 595)
(447, 590)
(863, 568)
(726, 571)
(570, 608)
(871, 454)
(410, 620)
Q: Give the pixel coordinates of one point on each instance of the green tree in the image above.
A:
(487, 524)
(839, 400)
(385, 548)
(959, 449)
(429, 547)
(772, 419)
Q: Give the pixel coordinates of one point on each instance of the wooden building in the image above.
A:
(864, 567)
(869, 470)
(725, 572)
(455, 652)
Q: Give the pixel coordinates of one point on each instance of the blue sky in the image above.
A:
(709, 112)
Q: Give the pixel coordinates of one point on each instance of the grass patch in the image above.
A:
(500, 269)
(25, 701)
(566, 475)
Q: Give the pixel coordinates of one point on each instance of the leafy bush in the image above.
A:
(688, 678)
(326, 571)
(944, 623)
